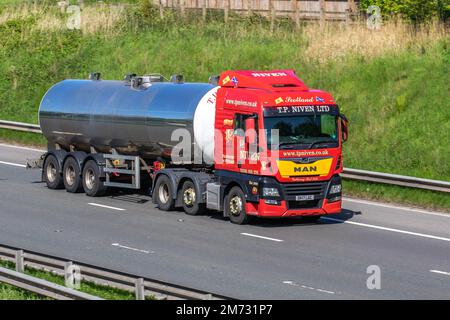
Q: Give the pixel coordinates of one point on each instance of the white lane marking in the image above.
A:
(13, 164)
(440, 272)
(20, 147)
(423, 235)
(292, 283)
(325, 291)
(103, 206)
(385, 205)
(261, 237)
(130, 248)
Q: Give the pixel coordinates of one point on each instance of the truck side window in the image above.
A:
(239, 124)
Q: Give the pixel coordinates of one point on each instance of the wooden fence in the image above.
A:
(340, 10)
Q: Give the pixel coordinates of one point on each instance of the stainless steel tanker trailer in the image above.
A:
(104, 133)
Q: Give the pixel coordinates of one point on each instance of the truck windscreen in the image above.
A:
(306, 131)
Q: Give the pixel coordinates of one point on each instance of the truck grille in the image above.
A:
(291, 190)
(296, 189)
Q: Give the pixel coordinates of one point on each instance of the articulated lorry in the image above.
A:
(248, 143)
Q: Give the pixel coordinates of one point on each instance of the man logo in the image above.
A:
(306, 169)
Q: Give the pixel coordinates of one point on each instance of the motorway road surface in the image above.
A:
(269, 259)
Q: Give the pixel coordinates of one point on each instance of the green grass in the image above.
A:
(399, 111)
(398, 102)
(396, 194)
(11, 293)
(24, 138)
(10, 2)
(8, 292)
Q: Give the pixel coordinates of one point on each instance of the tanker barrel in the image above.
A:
(139, 120)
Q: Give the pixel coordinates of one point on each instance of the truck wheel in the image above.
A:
(51, 174)
(190, 199)
(72, 175)
(163, 194)
(92, 184)
(235, 206)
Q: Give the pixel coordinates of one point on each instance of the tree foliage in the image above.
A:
(416, 11)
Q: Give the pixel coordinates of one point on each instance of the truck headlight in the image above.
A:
(335, 188)
(270, 192)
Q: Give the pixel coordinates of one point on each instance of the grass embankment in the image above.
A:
(8, 292)
(393, 84)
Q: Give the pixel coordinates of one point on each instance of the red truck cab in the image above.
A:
(280, 142)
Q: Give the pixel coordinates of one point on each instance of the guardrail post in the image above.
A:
(20, 264)
(140, 289)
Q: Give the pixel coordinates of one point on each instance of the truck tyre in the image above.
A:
(163, 194)
(235, 206)
(190, 199)
(72, 175)
(51, 173)
(92, 184)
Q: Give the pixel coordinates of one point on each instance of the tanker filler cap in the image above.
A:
(177, 78)
(95, 76)
(214, 80)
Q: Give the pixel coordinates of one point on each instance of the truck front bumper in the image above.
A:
(263, 209)
(299, 199)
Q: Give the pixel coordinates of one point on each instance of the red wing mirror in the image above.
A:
(250, 130)
(344, 125)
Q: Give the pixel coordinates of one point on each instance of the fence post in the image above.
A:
(140, 289)
(226, 9)
(272, 14)
(295, 12)
(182, 11)
(351, 10)
(161, 9)
(352, 6)
(249, 7)
(322, 12)
(204, 10)
(20, 264)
